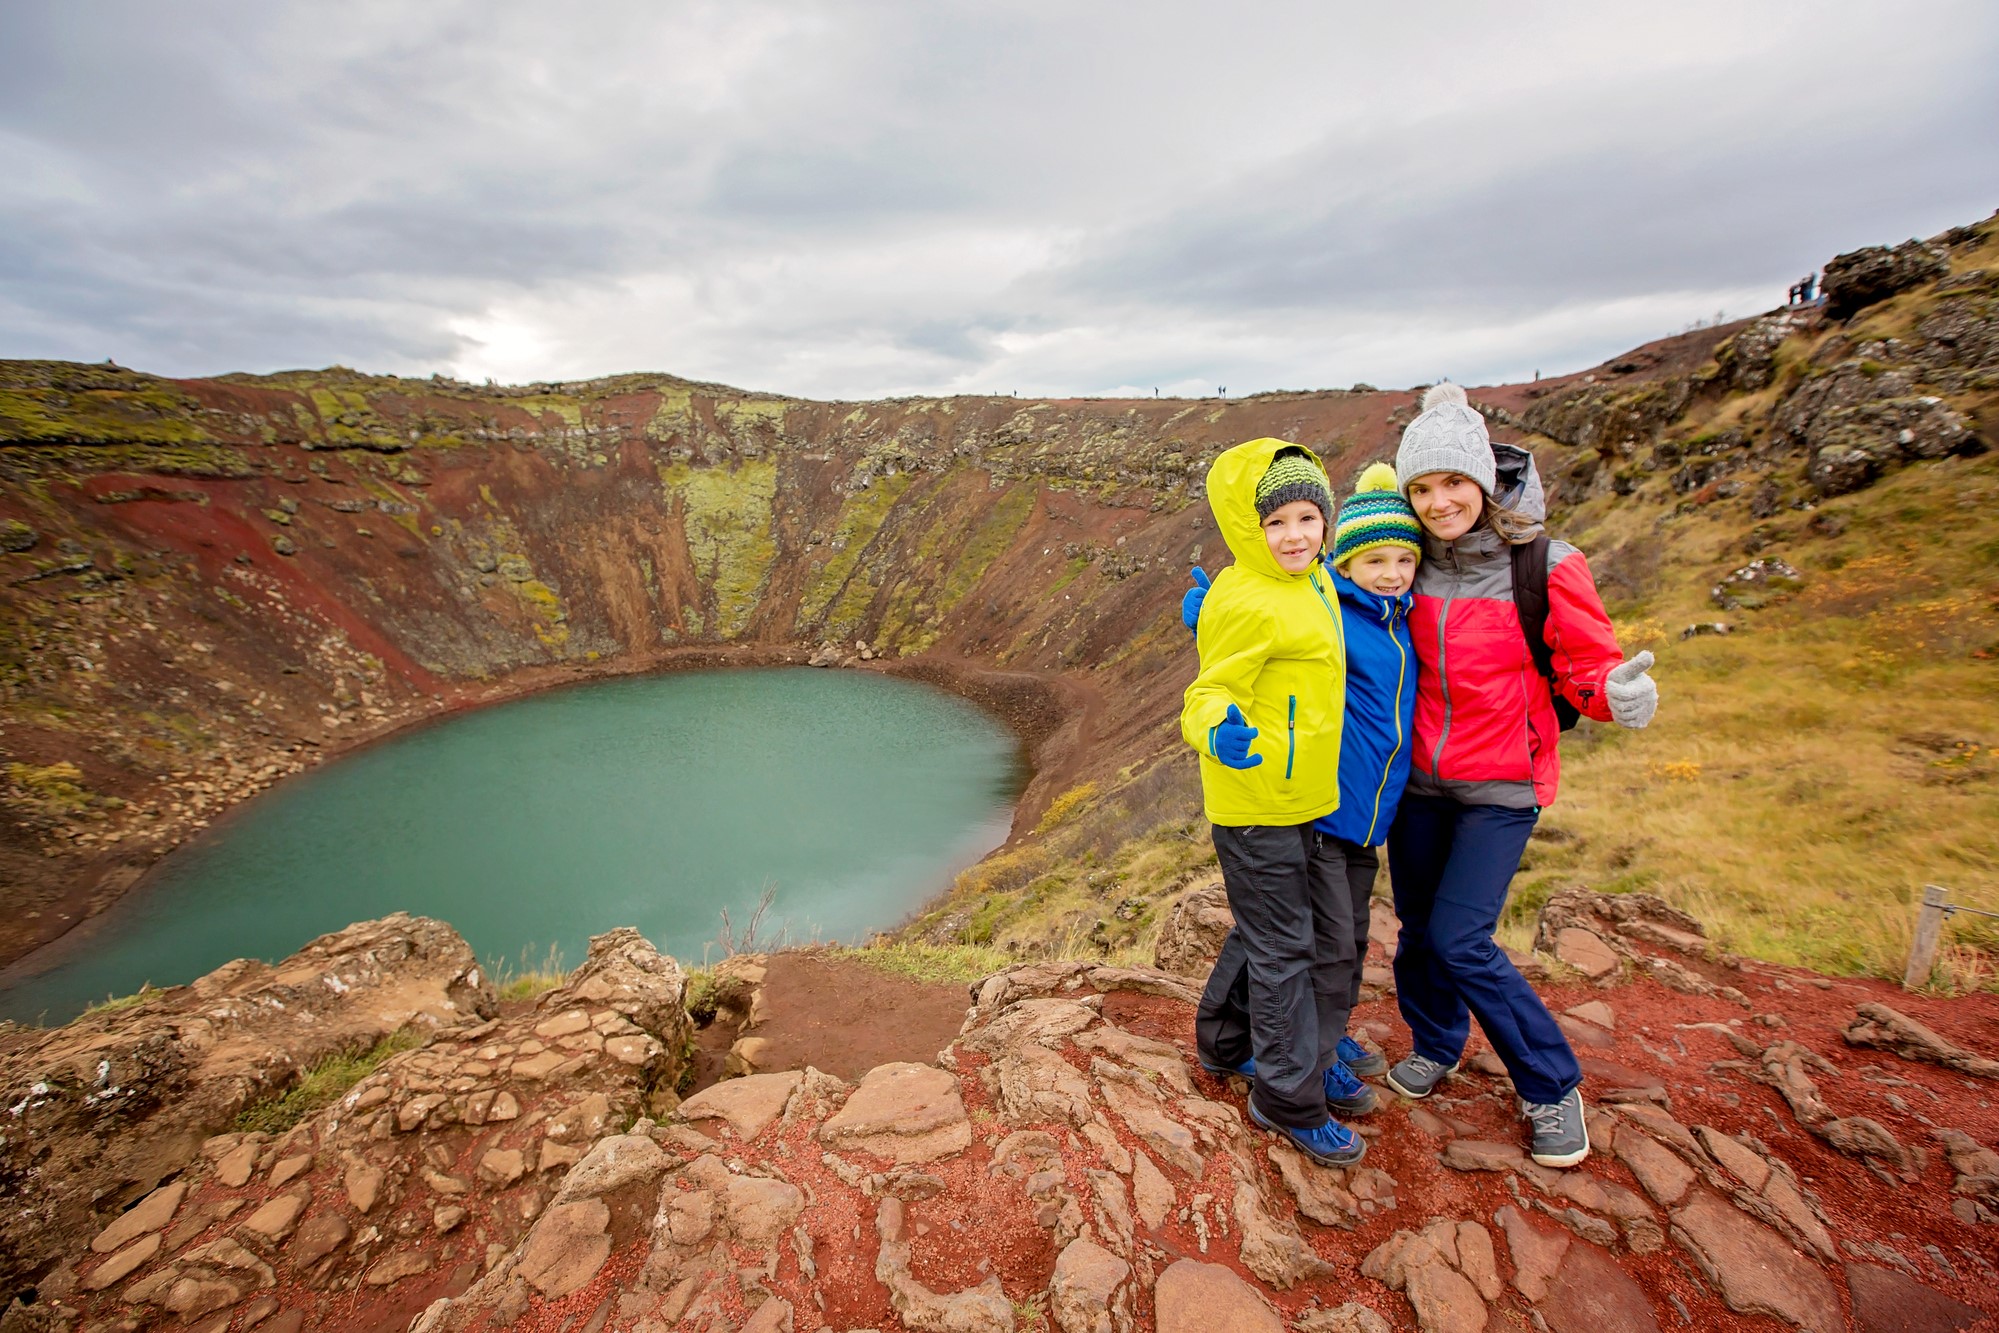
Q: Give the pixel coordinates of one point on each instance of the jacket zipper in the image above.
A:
(1290, 737)
(1401, 674)
(1443, 674)
(1340, 632)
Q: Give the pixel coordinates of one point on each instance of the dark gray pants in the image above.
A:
(1284, 983)
(1363, 864)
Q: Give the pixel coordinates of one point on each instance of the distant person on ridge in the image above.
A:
(1485, 761)
(1273, 666)
(1376, 545)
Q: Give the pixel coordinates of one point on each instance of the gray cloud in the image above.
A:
(857, 198)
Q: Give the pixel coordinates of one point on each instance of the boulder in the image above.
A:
(1585, 951)
(1856, 445)
(1885, 1301)
(1860, 278)
(1085, 1282)
(1755, 1270)
(610, 1165)
(568, 1245)
(1748, 360)
(1193, 1297)
(1195, 927)
(747, 1105)
(904, 1112)
(1591, 1293)
(1877, 1025)
(130, 1095)
(149, 1214)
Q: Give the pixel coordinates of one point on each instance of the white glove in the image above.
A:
(1633, 695)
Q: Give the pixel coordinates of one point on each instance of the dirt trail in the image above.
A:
(842, 1017)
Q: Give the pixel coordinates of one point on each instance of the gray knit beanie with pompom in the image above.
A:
(1449, 436)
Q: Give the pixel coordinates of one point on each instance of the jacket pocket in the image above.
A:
(1290, 736)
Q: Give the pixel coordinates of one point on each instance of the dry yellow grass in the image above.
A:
(1808, 774)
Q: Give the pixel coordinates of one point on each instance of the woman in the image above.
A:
(1485, 763)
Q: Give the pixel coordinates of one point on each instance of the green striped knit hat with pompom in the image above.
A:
(1293, 475)
(1375, 515)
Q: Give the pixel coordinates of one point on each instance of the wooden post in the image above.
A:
(1929, 928)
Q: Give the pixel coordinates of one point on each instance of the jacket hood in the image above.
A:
(1231, 485)
(1519, 486)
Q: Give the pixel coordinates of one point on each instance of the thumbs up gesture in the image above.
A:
(1230, 741)
(1633, 694)
(1190, 605)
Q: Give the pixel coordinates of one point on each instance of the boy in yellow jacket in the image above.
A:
(1265, 712)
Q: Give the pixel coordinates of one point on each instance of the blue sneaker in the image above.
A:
(1362, 1061)
(1331, 1144)
(1247, 1069)
(1347, 1095)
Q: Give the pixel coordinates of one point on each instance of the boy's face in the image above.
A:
(1385, 570)
(1295, 533)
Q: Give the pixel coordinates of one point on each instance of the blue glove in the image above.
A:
(1190, 605)
(1229, 739)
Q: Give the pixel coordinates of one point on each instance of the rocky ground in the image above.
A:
(1772, 1150)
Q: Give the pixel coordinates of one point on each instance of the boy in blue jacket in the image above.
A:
(1376, 544)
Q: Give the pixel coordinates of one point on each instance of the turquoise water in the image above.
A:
(652, 802)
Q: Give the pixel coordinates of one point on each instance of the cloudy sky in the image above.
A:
(857, 199)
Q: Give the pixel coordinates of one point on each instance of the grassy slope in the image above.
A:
(1809, 773)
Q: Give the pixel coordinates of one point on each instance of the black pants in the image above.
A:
(1285, 981)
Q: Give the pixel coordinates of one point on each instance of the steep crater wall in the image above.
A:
(208, 584)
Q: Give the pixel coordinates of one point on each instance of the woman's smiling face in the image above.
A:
(1447, 503)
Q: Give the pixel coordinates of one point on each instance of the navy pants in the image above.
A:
(1283, 984)
(1449, 866)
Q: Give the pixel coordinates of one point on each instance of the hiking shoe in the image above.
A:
(1560, 1134)
(1418, 1076)
(1347, 1095)
(1247, 1069)
(1331, 1144)
(1363, 1062)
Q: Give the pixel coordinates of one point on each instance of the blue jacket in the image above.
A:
(1381, 711)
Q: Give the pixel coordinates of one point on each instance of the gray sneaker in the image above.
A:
(1418, 1076)
(1560, 1133)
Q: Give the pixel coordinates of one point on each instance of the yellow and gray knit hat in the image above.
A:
(1375, 515)
(1293, 475)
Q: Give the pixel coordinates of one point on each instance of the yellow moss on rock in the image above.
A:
(675, 413)
(861, 517)
(727, 515)
(740, 412)
(53, 789)
(987, 543)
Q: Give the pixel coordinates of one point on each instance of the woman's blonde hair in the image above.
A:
(1514, 528)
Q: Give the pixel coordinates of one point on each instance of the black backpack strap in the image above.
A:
(1530, 599)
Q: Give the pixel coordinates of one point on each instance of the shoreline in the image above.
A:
(1049, 714)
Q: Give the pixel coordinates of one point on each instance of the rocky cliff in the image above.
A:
(205, 585)
(1772, 1150)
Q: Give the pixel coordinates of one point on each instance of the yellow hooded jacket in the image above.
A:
(1271, 644)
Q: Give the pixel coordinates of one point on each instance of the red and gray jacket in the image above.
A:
(1486, 730)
